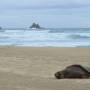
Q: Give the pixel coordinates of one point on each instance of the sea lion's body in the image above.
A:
(73, 71)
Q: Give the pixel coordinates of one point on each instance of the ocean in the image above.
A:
(61, 37)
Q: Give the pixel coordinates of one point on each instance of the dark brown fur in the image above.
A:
(73, 71)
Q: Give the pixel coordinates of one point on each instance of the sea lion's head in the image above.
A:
(59, 75)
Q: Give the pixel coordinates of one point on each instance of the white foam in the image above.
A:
(41, 38)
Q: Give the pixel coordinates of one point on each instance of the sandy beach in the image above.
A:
(33, 68)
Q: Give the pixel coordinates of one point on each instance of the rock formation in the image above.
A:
(35, 26)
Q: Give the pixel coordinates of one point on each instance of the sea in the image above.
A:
(50, 37)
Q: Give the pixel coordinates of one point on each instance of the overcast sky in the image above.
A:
(49, 13)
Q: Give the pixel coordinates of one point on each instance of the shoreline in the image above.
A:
(87, 46)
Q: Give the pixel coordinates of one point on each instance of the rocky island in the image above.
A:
(35, 26)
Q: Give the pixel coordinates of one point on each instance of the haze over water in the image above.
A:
(49, 13)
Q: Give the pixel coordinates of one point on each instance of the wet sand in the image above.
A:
(29, 68)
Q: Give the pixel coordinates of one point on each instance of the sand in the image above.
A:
(29, 68)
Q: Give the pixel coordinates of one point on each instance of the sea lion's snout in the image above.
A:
(59, 75)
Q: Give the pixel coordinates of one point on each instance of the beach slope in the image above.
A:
(33, 68)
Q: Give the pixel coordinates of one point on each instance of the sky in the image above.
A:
(48, 13)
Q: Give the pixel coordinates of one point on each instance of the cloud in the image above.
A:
(43, 4)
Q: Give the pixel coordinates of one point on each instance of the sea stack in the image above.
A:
(35, 26)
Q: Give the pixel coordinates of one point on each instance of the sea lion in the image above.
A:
(73, 71)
